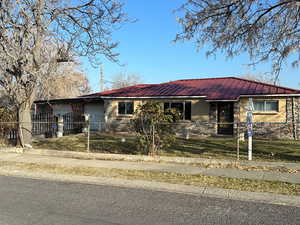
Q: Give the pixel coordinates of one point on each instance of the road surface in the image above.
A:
(27, 201)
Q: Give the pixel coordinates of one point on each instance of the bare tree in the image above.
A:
(260, 77)
(67, 82)
(121, 80)
(268, 30)
(4, 99)
(70, 28)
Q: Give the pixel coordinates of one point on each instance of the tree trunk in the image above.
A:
(25, 126)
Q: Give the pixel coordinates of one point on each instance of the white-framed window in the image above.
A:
(125, 108)
(184, 108)
(266, 106)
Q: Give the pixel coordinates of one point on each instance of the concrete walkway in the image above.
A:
(152, 166)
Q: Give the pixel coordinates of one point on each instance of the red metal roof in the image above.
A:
(226, 88)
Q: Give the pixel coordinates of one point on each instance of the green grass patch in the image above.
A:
(220, 148)
(166, 177)
(225, 148)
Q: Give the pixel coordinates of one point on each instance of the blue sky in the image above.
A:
(147, 49)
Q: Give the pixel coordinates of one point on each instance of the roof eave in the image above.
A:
(79, 99)
(221, 100)
(272, 95)
(152, 97)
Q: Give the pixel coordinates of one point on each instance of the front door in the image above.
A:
(225, 118)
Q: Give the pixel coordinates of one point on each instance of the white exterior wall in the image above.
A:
(61, 109)
(96, 112)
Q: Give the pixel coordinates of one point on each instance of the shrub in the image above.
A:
(154, 127)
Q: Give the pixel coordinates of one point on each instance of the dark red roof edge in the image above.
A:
(238, 78)
(107, 93)
(114, 90)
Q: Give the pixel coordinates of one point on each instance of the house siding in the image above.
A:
(285, 124)
(95, 110)
(203, 117)
(279, 116)
(61, 109)
(200, 108)
(113, 121)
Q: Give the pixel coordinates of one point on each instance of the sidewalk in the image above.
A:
(151, 185)
(160, 159)
(151, 166)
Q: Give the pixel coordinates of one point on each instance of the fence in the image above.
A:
(73, 123)
(193, 139)
(47, 124)
(8, 133)
(43, 124)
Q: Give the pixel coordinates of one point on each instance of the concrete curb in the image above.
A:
(158, 186)
(144, 158)
(117, 157)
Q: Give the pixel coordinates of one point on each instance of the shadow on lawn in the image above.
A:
(287, 157)
(204, 146)
(195, 147)
(67, 143)
(277, 149)
(226, 148)
(112, 143)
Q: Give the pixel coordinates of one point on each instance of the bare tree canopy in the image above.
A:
(121, 80)
(268, 30)
(67, 82)
(264, 78)
(37, 35)
(4, 99)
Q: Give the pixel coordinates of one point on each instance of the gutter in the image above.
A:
(153, 97)
(221, 100)
(270, 95)
(67, 99)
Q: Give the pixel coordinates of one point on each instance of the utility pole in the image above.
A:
(101, 78)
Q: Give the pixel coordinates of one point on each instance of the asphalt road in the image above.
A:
(27, 201)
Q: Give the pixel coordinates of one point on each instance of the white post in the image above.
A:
(238, 141)
(250, 148)
(250, 127)
(60, 127)
(88, 137)
(88, 127)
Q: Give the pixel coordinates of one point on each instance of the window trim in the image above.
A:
(265, 106)
(125, 114)
(183, 111)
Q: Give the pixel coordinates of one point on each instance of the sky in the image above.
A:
(147, 48)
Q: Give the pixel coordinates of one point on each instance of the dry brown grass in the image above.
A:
(217, 148)
(167, 177)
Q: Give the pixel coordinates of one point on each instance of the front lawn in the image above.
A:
(222, 148)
